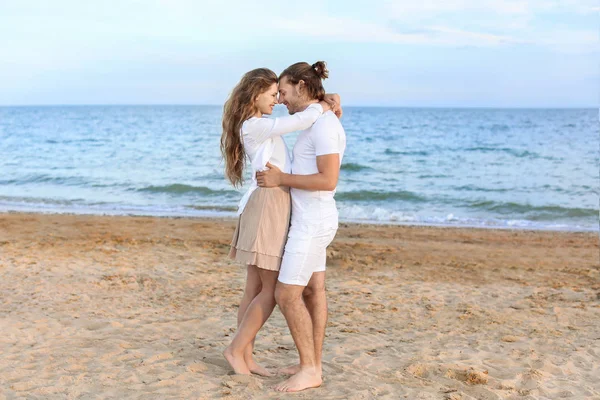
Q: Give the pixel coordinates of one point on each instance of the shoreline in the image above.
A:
(225, 215)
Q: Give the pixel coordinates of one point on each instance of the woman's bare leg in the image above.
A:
(254, 318)
(253, 286)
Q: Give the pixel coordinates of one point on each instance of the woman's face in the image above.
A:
(267, 100)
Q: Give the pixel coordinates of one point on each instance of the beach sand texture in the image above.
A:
(95, 307)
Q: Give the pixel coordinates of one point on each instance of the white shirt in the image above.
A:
(263, 142)
(325, 136)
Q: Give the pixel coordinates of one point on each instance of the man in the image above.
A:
(317, 156)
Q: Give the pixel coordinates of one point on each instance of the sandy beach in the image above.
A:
(96, 307)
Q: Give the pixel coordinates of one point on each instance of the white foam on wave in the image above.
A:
(111, 209)
(348, 213)
(374, 214)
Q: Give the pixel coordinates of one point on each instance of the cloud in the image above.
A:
(512, 8)
(356, 31)
(458, 23)
(560, 24)
(449, 23)
(569, 41)
(408, 9)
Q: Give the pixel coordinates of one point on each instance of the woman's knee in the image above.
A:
(253, 282)
(268, 292)
(252, 290)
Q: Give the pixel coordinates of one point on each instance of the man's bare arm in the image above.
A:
(326, 179)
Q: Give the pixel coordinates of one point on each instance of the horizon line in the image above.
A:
(349, 105)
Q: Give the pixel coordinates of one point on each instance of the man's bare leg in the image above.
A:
(316, 302)
(291, 303)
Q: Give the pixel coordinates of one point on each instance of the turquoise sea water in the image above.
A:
(521, 168)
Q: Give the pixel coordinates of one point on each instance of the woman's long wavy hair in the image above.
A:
(238, 108)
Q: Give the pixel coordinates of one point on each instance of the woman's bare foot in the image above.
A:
(257, 369)
(237, 362)
(305, 379)
(294, 369)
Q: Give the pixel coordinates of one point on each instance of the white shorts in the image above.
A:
(306, 250)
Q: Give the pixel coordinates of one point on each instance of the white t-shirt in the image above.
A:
(263, 142)
(325, 136)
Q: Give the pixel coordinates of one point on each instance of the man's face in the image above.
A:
(289, 96)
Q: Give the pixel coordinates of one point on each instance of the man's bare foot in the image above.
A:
(294, 369)
(257, 369)
(302, 380)
(237, 362)
(291, 370)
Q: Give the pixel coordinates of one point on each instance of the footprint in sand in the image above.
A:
(244, 382)
(158, 357)
(469, 376)
(197, 367)
(217, 362)
(529, 380)
(419, 370)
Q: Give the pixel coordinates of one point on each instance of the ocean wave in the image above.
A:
(494, 128)
(389, 151)
(434, 176)
(68, 141)
(79, 206)
(44, 178)
(371, 195)
(348, 213)
(212, 208)
(374, 214)
(512, 152)
(353, 167)
(534, 212)
(473, 188)
(23, 200)
(178, 188)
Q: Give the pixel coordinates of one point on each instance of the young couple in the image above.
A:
(288, 217)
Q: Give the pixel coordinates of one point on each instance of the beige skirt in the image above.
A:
(262, 228)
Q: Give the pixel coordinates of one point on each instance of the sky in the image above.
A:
(425, 53)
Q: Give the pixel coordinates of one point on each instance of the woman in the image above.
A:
(264, 213)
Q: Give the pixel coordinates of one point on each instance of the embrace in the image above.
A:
(288, 216)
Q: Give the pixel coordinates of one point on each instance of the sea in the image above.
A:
(479, 167)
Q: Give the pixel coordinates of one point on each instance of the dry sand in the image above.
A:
(98, 307)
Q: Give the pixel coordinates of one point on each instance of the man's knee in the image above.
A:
(313, 291)
(284, 295)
